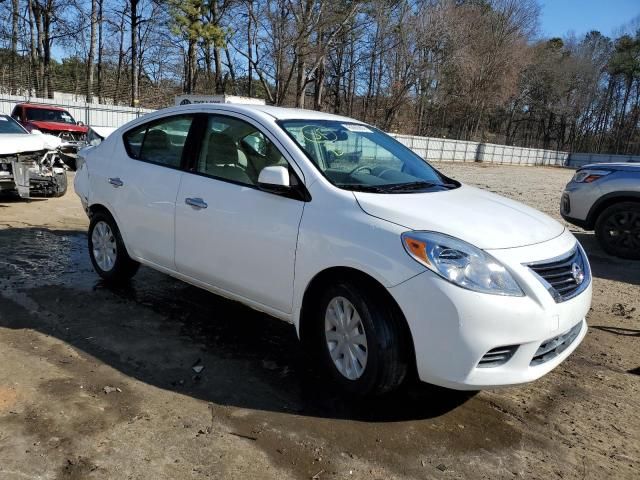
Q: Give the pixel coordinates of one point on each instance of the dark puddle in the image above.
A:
(155, 329)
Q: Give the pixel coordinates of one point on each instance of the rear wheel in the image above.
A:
(360, 340)
(618, 230)
(107, 251)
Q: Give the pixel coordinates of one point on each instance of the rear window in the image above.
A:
(160, 142)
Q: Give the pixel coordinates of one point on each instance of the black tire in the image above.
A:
(618, 230)
(61, 184)
(387, 352)
(123, 267)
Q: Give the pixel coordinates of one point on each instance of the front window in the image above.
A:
(235, 150)
(9, 125)
(45, 115)
(357, 157)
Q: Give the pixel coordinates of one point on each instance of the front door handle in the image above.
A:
(116, 182)
(196, 203)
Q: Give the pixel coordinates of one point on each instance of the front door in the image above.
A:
(229, 233)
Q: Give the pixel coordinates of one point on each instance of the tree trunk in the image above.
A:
(92, 49)
(249, 48)
(15, 6)
(218, 73)
(100, 50)
(232, 72)
(301, 83)
(134, 53)
(191, 66)
(33, 84)
(116, 99)
(317, 98)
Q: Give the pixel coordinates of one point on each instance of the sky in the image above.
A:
(581, 16)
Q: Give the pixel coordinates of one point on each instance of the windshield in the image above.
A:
(44, 115)
(357, 157)
(9, 125)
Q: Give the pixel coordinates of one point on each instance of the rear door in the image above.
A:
(144, 181)
(229, 233)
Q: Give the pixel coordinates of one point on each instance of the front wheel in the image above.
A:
(618, 230)
(361, 340)
(107, 251)
(60, 184)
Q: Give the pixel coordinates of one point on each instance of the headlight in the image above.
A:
(588, 176)
(460, 263)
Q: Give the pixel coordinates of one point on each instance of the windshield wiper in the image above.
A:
(361, 188)
(410, 186)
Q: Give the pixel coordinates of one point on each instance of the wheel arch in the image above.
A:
(100, 207)
(314, 289)
(606, 201)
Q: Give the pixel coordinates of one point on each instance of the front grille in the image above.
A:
(497, 356)
(555, 346)
(565, 277)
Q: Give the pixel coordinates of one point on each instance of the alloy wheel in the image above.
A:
(623, 230)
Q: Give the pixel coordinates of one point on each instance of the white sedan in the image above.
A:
(384, 265)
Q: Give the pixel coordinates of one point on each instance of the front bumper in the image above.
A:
(453, 329)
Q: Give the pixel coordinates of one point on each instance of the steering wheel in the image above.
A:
(359, 168)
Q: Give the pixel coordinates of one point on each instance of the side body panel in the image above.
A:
(244, 241)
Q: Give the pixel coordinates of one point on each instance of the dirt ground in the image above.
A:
(98, 383)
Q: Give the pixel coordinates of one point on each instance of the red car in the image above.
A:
(54, 121)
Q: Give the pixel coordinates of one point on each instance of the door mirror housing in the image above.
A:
(35, 131)
(274, 179)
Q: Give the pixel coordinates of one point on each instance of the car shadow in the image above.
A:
(174, 336)
(11, 198)
(606, 266)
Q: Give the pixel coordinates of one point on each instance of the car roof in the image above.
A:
(278, 113)
(38, 105)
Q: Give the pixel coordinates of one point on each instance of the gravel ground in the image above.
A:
(98, 383)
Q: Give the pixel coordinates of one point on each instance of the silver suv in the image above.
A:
(605, 197)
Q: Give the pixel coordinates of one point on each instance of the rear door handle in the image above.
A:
(196, 203)
(116, 182)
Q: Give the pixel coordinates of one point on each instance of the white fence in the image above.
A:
(580, 159)
(89, 113)
(446, 150)
(432, 149)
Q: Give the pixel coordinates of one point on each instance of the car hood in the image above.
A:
(481, 218)
(103, 132)
(58, 126)
(27, 142)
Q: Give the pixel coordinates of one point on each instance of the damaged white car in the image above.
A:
(29, 162)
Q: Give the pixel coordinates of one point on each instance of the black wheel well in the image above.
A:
(314, 289)
(601, 206)
(95, 208)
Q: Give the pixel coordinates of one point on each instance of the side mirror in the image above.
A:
(36, 131)
(80, 123)
(274, 179)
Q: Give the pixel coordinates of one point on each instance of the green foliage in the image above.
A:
(625, 60)
(193, 20)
